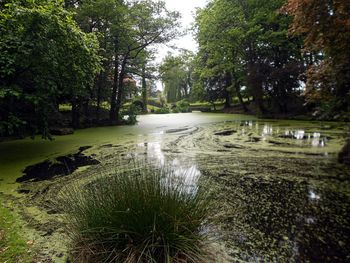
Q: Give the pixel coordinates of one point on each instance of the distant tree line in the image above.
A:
(75, 52)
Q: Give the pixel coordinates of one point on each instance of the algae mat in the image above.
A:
(280, 195)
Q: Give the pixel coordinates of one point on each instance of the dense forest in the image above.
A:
(279, 58)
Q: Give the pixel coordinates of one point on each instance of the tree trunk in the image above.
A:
(75, 114)
(227, 93)
(120, 92)
(239, 95)
(98, 98)
(256, 85)
(228, 99)
(144, 90)
(113, 109)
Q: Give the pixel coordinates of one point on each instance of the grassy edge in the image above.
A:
(13, 246)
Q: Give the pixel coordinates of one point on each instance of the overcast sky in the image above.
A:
(187, 9)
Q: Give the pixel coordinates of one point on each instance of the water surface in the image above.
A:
(279, 194)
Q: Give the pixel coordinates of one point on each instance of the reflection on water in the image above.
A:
(154, 151)
(271, 130)
(183, 168)
(273, 205)
(267, 131)
(313, 195)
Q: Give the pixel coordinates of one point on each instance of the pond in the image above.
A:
(279, 193)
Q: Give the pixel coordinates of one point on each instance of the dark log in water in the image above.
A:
(61, 166)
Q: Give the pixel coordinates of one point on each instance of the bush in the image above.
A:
(144, 214)
(163, 110)
(182, 106)
(138, 104)
(130, 115)
(154, 102)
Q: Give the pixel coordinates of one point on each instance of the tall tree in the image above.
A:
(244, 44)
(107, 18)
(148, 23)
(44, 58)
(326, 27)
(176, 75)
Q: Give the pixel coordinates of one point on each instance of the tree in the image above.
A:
(143, 68)
(107, 18)
(244, 44)
(126, 29)
(326, 27)
(147, 23)
(176, 75)
(44, 59)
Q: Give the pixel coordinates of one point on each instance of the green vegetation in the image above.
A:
(163, 110)
(67, 65)
(176, 74)
(13, 247)
(269, 56)
(45, 58)
(143, 214)
(152, 108)
(182, 106)
(130, 115)
(81, 53)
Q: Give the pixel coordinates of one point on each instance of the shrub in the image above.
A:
(138, 104)
(155, 102)
(143, 214)
(163, 110)
(175, 110)
(182, 106)
(129, 116)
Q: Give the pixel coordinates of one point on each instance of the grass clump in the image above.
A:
(144, 214)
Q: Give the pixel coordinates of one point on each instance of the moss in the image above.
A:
(13, 246)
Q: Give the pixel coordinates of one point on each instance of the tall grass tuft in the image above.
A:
(144, 214)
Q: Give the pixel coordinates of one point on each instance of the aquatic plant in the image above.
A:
(143, 214)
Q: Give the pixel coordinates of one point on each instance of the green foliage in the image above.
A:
(130, 115)
(143, 214)
(176, 74)
(245, 44)
(326, 27)
(44, 58)
(182, 106)
(163, 110)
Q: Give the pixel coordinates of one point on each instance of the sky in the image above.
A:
(187, 9)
